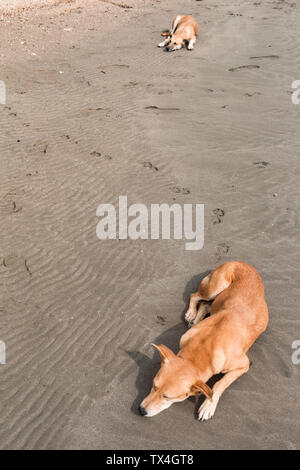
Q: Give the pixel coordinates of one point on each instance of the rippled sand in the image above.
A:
(84, 117)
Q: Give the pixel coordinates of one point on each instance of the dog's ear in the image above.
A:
(164, 351)
(166, 33)
(201, 387)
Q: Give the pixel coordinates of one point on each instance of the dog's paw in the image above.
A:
(191, 323)
(207, 409)
(190, 317)
(191, 44)
(161, 44)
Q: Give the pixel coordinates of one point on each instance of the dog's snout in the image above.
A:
(142, 411)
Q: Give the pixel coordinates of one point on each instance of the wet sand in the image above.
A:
(88, 107)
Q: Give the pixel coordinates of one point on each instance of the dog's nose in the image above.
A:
(142, 411)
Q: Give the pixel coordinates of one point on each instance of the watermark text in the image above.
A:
(296, 93)
(160, 221)
(296, 353)
(2, 92)
(2, 352)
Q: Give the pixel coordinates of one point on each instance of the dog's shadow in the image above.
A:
(149, 367)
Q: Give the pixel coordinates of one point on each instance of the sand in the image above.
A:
(78, 314)
(13, 4)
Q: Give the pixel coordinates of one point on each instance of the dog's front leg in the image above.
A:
(165, 42)
(192, 42)
(208, 407)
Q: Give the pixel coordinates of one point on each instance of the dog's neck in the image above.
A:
(199, 362)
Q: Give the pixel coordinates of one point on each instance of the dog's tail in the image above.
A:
(166, 33)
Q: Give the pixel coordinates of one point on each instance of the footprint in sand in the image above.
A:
(8, 108)
(13, 262)
(95, 154)
(99, 154)
(230, 13)
(252, 94)
(41, 146)
(131, 84)
(16, 208)
(9, 207)
(271, 56)
(218, 215)
(158, 109)
(222, 249)
(150, 165)
(261, 164)
(179, 190)
(241, 67)
(119, 66)
(161, 320)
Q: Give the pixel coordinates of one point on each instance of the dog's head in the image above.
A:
(176, 380)
(176, 42)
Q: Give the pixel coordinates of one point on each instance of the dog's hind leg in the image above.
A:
(203, 293)
(192, 310)
(215, 282)
(203, 310)
(209, 288)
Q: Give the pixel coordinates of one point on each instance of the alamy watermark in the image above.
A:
(296, 93)
(296, 353)
(2, 92)
(2, 353)
(159, 221)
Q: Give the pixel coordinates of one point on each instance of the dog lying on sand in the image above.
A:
(184, 30)
(233, 294)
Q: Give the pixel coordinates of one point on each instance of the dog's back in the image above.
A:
(187, 21)
(244, 295)
(239, 313)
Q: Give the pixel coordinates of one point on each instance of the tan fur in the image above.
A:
(185, 31)
(219, 343)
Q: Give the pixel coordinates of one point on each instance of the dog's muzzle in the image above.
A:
(142, 411)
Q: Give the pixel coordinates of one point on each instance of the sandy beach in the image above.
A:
(95, 110)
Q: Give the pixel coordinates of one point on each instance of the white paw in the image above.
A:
(190, 316)
(161, 44)
(191, 44)
(207, 409)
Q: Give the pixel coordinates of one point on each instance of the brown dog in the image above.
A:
(218, 344)
(184, 29)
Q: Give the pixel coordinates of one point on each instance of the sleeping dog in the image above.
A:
(233, 294)
(184, 30)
